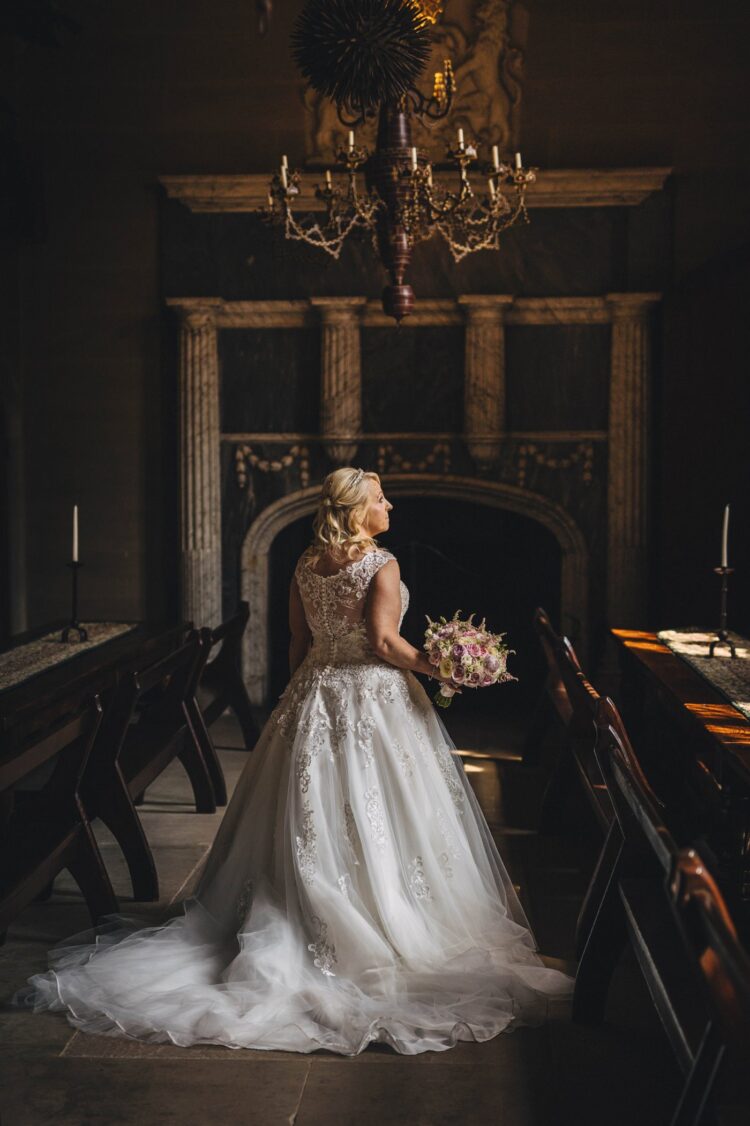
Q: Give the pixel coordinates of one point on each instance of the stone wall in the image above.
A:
(139, 93)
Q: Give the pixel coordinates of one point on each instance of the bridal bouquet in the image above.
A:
(470, 655)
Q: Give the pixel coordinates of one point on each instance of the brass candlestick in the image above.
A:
(722, 634)
(74, 633)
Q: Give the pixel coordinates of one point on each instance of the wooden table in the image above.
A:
(61, 689)
(695, 747)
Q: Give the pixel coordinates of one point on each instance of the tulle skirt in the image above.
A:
(353, 893)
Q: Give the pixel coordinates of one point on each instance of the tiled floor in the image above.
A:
(618, 1074)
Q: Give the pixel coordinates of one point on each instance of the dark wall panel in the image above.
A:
(270, 380)
(412, 380)
(557, 376)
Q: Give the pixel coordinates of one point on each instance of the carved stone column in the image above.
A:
(484, 375)
(341, 378)
(629, 394)
(200, 475)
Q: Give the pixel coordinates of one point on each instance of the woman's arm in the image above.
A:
(300, 631)
(382, 614)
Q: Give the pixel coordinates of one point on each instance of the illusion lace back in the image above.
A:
(353, 891)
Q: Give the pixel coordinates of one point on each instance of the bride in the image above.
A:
(353, 891)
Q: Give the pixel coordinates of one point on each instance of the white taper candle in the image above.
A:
(75, 533)
(495, 157)
(460, 138)
(518, 162)
(351, 139)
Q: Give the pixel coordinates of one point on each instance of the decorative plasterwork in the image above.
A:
(484, 40)
(276, 517)
(554, 187)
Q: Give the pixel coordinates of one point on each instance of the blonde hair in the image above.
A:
(344, 500)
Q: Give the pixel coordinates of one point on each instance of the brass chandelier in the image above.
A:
(366, 55)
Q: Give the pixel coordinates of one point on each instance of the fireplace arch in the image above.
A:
(264, 529)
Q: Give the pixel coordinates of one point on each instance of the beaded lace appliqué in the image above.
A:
(374, 811)
(307, 849)
(324, 951)
(417, 882)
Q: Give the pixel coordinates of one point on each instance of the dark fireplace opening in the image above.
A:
(453, 555)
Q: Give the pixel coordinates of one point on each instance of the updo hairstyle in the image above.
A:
(337, 526)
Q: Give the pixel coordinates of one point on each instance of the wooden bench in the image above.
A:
(44, 827)
(572, 701)
(148, 725)
(722, 966)
(637, 905)
(220, 684)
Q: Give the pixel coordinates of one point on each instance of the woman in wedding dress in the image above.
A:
(353, 892)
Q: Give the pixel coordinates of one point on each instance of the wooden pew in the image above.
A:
(636, 905)
(44, 827)
(220, 684)
(723, 968)
(148, 725)
(573, 700)
(553, 705)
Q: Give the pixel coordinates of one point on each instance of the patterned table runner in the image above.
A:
(729, 676)
(25, 661)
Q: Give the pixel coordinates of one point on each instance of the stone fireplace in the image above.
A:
(587, 483)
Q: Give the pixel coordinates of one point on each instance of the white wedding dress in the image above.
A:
(353, 891)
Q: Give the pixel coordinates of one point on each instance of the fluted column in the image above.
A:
(484, 375)
(200, 475)
(629, 421)
(341, 377)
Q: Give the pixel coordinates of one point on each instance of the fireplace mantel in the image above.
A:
(554, 187)
(484, 436)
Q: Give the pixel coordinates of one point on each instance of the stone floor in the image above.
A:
(621, 1073)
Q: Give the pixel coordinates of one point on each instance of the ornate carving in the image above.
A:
(485, 44)
(245, 460)
(582, 455)
(390, 460)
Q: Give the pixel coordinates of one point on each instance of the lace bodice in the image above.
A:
(335, 605)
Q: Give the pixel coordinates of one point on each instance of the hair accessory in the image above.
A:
(358, 477)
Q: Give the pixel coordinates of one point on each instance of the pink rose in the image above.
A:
(458, 652)
(458, 673)
(475, 650)
(474, 678)
(434, 658)
(491, 663)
